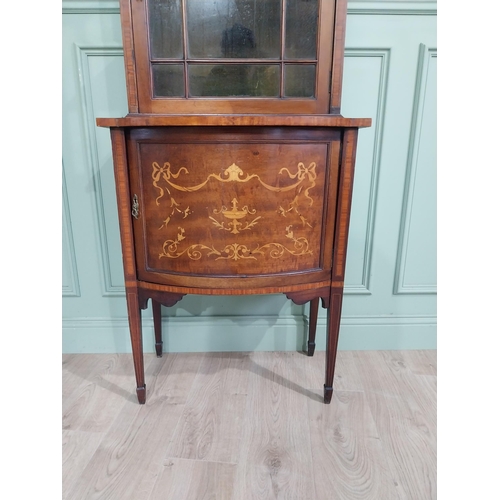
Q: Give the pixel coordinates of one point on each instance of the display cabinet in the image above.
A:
(234, 168)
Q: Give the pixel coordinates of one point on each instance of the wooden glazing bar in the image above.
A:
(338, 56)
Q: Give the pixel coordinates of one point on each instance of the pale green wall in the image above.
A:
(390, 298)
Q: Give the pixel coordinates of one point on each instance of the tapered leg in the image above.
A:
(157, 325)
(135, 323)
(313, 321)
(332, 339)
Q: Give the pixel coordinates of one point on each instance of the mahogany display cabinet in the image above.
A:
(234, 168)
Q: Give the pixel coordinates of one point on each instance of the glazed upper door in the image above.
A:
(233, 203)
(231, 56)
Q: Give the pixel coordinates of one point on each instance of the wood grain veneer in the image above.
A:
(235, 120)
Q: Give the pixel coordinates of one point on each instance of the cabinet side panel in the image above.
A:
(344, 203)
(124, 205)
(330, 205)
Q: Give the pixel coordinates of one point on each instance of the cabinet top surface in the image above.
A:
(145, 120)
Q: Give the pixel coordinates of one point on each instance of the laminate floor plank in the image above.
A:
(348, 456)
(309, 371)
(275, 460)
(78, 447)
(426, 387)
(182, 479)
(76, 369)
(421, 362)
(347, 376)
(305, 373)
(406, 427)
(210, 428)
(94, 405)
(429, 387)
(130, 456)
(405, 438)
(386, 373)
(169, 384)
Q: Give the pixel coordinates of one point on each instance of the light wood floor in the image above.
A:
(250, 426)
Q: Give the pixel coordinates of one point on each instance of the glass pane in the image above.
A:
(233, 28)
(244, 80)
(301, 29)
(300, 80)
(165, 28)
(168, 80)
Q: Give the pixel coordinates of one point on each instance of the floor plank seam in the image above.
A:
(169, 458)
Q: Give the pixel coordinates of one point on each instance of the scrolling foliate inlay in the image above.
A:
(305, 180)
(235, 251)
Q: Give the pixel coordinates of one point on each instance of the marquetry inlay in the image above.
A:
(237, 218)
(234, 215)
(236, 251)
